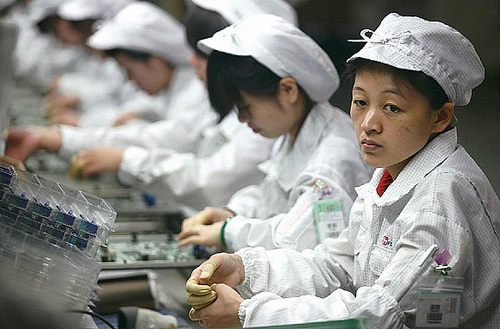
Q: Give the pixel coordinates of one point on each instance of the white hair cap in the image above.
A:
(434, 48)
(38, 10)
(79, 10)
(144, 27)
(5, 3)
(282, 48)
(234, 10)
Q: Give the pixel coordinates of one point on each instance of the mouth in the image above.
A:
(369, 145)
(255, 129)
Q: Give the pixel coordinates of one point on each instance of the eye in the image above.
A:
(392, 109)
(359, 103)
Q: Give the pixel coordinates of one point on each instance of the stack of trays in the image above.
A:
(49, 237)
(54, 212)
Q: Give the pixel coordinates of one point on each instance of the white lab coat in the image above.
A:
(272, 214)
(186, 110)
(225, 161)
(441, 197)
(41, 58)
(184, 94)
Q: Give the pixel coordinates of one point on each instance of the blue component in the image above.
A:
(7, 216)
(149, 199)
(65, 219)
(88, 227)
(42, 210)
(5, 176)
(199, 252)
(59, 234)
(17, 201)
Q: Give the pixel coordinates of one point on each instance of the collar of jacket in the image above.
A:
(422, 163)
(288, 161)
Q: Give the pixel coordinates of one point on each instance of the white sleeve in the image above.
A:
(330, 270)
(247, 201)
(195, 181)
(291, 287)
(295, 229)
(164, 134)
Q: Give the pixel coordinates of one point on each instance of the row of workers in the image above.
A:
(378, 236)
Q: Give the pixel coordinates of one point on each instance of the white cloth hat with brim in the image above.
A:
(282, 48)
(144, 27)
(79, 10)
(234, 10)
(434, 48)
(38, 10)
(5, 3)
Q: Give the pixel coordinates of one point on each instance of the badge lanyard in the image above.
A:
(328, 215)
(440, 296)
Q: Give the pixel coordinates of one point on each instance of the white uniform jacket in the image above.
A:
(180, 101)
(188, 114)
(441, 197)
(225, 161)
(278, 213)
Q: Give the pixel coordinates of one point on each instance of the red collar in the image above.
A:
(384, 183)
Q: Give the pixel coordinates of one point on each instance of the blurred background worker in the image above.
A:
(158, 158)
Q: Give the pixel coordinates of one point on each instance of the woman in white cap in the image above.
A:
(427, 205)
(224, 161)
(280, 81)
(82, 97)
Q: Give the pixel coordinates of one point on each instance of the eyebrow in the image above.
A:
(385, 91)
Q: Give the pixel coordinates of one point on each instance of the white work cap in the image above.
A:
(282, 48)
(38, 10)
(79, 10)
(142, 26)
(434, 48)
(5, 3)
(234, 10)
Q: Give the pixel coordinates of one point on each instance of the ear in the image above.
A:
(288, 90)
(443, 117)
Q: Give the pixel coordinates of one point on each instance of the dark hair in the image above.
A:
(134, 54)
(46, 25)
(83, 26)
(201, 24)
(425, 85)
(228, 74)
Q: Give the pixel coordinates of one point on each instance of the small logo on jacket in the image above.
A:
(386, 241)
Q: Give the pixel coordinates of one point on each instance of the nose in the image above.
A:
(243, 116)
(372, 120)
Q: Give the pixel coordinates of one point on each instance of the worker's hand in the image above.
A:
(24, 141)
(13, 162)
(125, 118)
(97, 160)
(54, 101)
(206, 235)
(220, 268)
(207, 216)
(223, 313)
(65, 116)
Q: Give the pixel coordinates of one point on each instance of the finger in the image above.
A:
(208, 270)
(193, 239)
(76, 166)
(189, 232)
(193, 287)
(199, 302)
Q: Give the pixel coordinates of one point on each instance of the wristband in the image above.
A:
(222, 240)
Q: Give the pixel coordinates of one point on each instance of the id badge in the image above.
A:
(329, 218)
(439, 302)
